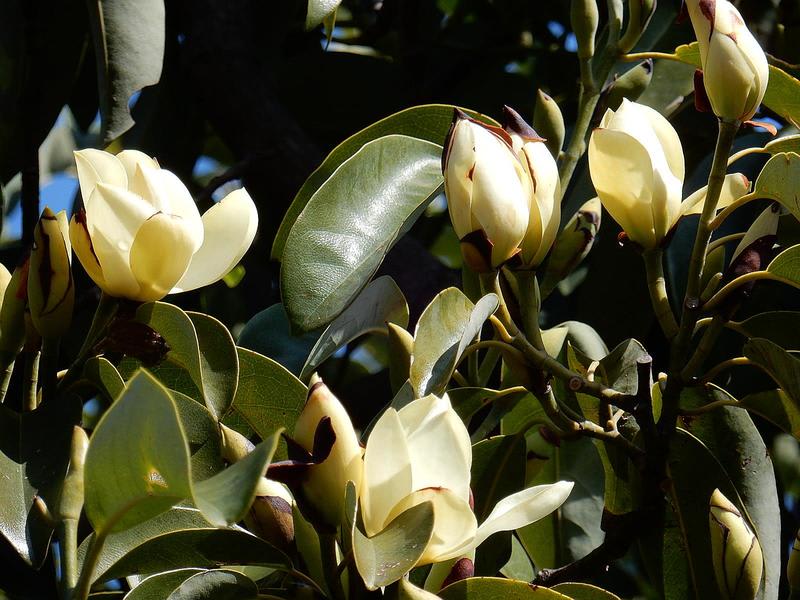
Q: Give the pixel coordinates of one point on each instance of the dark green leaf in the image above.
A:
(137, 464)
(584, 591)
(219, 362)
(776, 406)
(430, 122)
(492, 588)
(225, 498)
(269, 333)
(787, 263)
(218, 584)
(160, 585)
(781, 366)
(129, 48)
(268, 397)
(34, 451)
(104, 376)
(467, 401)
(202, 433)
(350, 223)
(445, 329)
(780, 327)
(498, 470)
(196, 548)
(379, 303)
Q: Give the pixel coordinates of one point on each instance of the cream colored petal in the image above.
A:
(454, 523)
(439, 445)
(523, 508)
(82, 245)
(230, 227)
(387, 471)
(668, 139)
(132, 159)
(734, 187)
(168, 194)
(500, 195)
(113, 218)
(96, 166)
(545, 213)
(160, 255)
(727, 76)
(458, 171)
(622, 175)
(63, 225)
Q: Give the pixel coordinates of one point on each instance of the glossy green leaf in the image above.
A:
(34, 451)
(493, 588)
(428, 122)
(181, 368)
(196, 548)
(779, 327)
(444, 330)
(390, 554)
(379, 303)
(787, 265)
(469, 400)
(350, 223)
(202, 434)
(160, 585)
(574, 530)
(787, 143)
(219, 584)
(781, 366)
(776, 406)
(619, 368)
(219, 362)
(268, 397)
(104, 376)
(584, 591)
(129, 49)
(269, 333)
(119, 544)
(137, 464)
(498, 470)
(226, 497)
(779, 179)
(519, 565)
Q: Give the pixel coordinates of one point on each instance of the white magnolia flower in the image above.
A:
(141, 236)
(735, 69)
(422, 452)
(637, 167)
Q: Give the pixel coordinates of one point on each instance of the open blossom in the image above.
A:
(503, 184)
(423, 452)
(141, 236)
(637, 167)
(735, 69)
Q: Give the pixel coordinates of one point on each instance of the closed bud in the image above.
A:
(70, 501)
(488, 189)
(735, 69)
(51, 293)
(545, 200)
(401, 345)
(793, 566)
(270, 516)
(630, 85)
(584, 18)
(549, 122)
(639, 14)
(736, 553)
(573, 244)
(235, 446)
(325, 483)
(12, 314)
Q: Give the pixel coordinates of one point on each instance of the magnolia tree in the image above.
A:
(513, 457)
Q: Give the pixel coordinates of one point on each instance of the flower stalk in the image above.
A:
(656, 285)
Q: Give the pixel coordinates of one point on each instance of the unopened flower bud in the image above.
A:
(630, 85)
(235, 446)
(584, 18)
(793, 566)
(735, 69)
(70, 502)
(12, 314)
(736, 553)
(270, 516)
(325, 483)
(549, 122)
(639, 14)
(573, 244)
(51, 293)
(488, 189)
